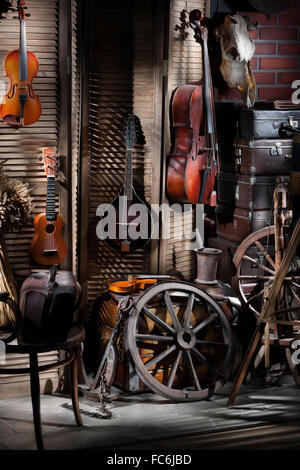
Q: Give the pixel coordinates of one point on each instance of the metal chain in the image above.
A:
(124, 307)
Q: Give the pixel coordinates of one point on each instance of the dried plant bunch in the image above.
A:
(15, 203)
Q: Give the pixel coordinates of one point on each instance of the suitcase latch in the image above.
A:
(276, 150)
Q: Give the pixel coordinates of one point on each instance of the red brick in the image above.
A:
(294, 6)
(289, 48)
(265, 48)
(229, 94)
(260, 18)
(287, 78)
(253, 34)
(254, 63)
(279, 33)
(274, 93)
(289, 19)
(264, 78)
(275, 63)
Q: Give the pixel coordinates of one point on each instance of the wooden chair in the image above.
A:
(72, 346)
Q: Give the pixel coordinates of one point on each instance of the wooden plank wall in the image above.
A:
(184, 66)
(121, 81)
(21, 148)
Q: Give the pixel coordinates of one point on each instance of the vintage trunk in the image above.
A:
(256, 123)
(236, 224)
(247, 191)
(257, 157)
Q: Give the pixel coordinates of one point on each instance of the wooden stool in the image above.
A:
(72, 346)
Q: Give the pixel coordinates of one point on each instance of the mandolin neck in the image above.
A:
(50, 203)
(23, 74)
(128, 175)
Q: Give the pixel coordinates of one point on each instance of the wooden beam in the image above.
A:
(65, 123)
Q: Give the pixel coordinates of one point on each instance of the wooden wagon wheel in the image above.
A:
(179, 341)
(256, 268)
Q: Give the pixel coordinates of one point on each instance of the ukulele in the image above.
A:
(132, 228)
(20, 106)
(47, 246)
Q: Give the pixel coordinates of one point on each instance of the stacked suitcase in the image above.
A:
(255, 148)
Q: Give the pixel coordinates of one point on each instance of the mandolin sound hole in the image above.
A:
(50, 228)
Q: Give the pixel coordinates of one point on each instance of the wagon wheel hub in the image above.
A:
(185, 339)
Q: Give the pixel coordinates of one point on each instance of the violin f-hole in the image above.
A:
(13, 91)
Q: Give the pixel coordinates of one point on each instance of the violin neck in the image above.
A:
(128, 174)
(50, 203)
(23, 75)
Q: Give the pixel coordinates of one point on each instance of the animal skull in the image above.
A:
(237, 49)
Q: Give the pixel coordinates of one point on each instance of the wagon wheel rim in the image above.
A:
(267, 275)
(182, 342)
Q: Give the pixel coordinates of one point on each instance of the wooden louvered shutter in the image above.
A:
(121, 80)
(184, 66)
(21, 148)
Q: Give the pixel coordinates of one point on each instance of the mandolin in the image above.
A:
(132, 225)
(20, 106)
(48, 247)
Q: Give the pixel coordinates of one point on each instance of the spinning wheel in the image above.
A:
(258, 260)
(179, 334)
(255, 262)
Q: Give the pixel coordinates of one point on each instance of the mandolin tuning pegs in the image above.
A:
(28, 15)
(40, 158)
(15, 17)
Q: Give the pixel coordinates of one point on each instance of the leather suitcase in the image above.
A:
(236, 224)
(256, 123)
(247, 191)
(257, 157)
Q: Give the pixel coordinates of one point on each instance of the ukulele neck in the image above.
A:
(128, 175)
(23, 74)
(50, 203)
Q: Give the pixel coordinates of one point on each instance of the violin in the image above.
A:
(20, 106)
(193, 163)
(136, 283)
(47, 246)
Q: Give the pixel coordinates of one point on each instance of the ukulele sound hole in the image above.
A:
(50, 228)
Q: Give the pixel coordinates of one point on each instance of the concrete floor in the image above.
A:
(149, 421)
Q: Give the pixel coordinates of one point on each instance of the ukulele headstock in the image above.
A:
(196, 23)
(50, 161)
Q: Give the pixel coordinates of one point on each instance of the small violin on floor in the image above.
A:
(47, 246)
(20, 106)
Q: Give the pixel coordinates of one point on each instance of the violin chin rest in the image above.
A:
(12, 120)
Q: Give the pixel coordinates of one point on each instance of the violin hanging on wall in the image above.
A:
(47, 246)
(20, 106)
(193, 163)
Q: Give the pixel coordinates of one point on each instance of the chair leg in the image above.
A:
(35, 399)
(74, 387)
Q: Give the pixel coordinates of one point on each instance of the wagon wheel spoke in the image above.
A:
(158, 321)
(295, 284)
(171, 310)
(211, 343)
(255, 296)
(160, 356)
(264, 252)
(294, 294)
(144, 337)
(192, 370)
(174, 369)
(258, 264)
(188, 310)
(206, 322)
(204, 361)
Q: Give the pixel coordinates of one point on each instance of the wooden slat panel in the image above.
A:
(21, 148)
(185, 65)
(121, 81)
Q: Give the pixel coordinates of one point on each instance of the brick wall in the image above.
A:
(276, 63)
